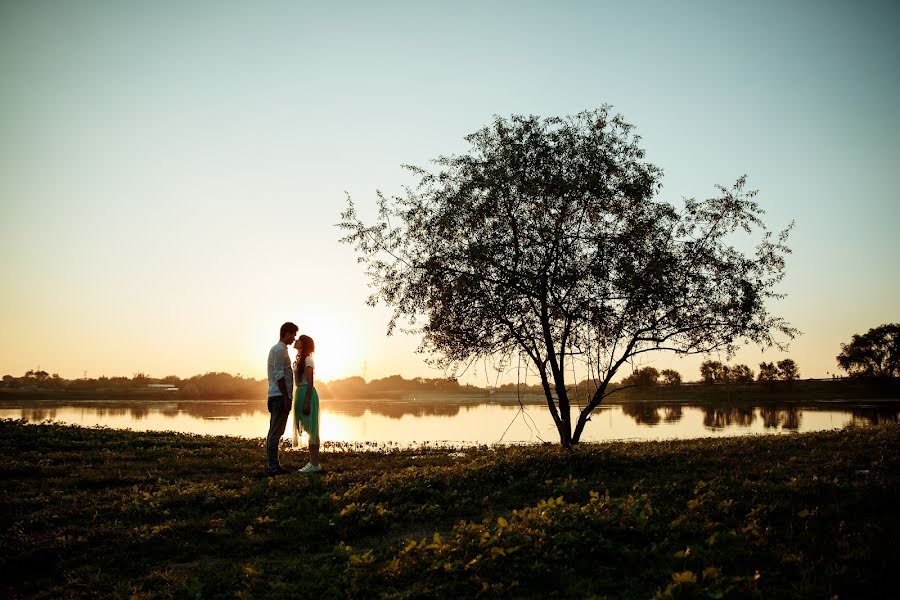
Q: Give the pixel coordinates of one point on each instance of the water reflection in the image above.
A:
(785, 418)
(741, 416)
(643, 413)
(672, 414)
(397, 409)
(464, 421)
(720, 418)
(870, 415)
(36, 415)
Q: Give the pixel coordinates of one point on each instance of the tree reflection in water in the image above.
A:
(773, 417)
(785, 418)
(396, 409)
(36, 415)
(229, 409)
(643, 413)
(721, 417)
(136, 413)
(672, 414)
(872, 415)
(676, 417)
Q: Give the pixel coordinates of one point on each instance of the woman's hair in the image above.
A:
(307, 347)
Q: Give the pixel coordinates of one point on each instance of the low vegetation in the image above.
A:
(98, 512)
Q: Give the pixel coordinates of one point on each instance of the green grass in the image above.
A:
(99, 512)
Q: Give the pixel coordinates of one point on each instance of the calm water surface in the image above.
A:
(455, 421)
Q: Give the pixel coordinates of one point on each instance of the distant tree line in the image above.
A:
(648, 377)
(220, 385)
(225, 385)
(713, 371)
(872, 355)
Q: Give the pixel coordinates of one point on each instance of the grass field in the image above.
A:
(98, 512)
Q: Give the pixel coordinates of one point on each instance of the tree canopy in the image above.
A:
(788, 369)
(768, 372)
(713, 371)
(544, 242)
(642, 377)
(671, 377)
(875, 353)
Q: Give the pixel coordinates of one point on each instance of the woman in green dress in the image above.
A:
(306, 402)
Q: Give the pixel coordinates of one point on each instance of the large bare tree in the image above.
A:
(545, 241)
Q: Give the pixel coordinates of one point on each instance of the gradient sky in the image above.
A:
(171, 172)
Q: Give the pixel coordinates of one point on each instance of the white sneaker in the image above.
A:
(310, 468)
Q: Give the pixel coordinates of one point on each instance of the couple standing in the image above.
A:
(282, 378)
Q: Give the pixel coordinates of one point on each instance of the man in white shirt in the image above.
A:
(281, 387)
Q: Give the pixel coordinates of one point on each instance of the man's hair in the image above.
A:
(288, 328)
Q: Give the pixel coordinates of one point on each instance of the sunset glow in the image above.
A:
(338, 353)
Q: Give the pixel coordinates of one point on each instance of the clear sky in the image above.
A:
(171, 171)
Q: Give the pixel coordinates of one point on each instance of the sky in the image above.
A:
(171, 172)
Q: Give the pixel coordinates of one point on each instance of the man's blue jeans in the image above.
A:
(278, 417)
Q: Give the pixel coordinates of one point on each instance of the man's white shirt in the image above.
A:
(280, 366)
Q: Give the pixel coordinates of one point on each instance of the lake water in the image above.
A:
(455, 421)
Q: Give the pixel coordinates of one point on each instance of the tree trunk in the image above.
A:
(565, 438)
(596, 399)
(559, 410)
(565, 416)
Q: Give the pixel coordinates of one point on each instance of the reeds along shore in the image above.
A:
(99, 512)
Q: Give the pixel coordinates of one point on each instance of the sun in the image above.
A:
(344, 338)
(338, 353)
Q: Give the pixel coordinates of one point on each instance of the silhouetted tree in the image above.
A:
(767, 372)
(875, 353)
(642, 377)
(768, 375)
(787, 370)
(545, 241)
(741, 374)
(671, 377)
(713, 371)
